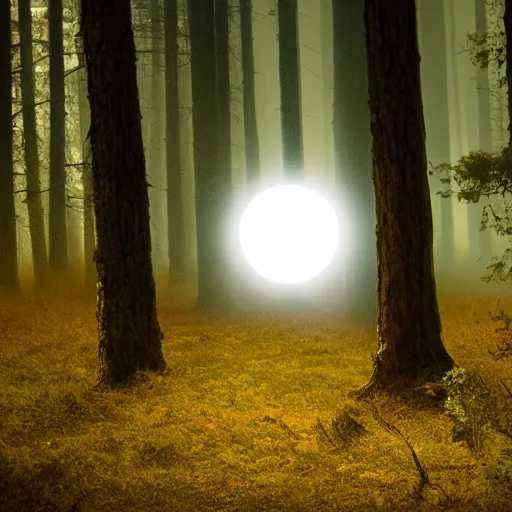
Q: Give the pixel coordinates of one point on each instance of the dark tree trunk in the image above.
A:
(435, 99)
(353, 158)
(57, 224)
(223, 83)
(507, 18)
(8, 254)
(33, 199)
(212, 181)
(130, 336)
(289, 79)
(409, 326)
(175, 226)
(252, 146)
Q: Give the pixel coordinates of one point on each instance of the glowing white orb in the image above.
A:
(289, 234)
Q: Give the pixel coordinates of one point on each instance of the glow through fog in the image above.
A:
(289, 234)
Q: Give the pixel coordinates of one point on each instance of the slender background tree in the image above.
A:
(353, 160)
(33, 199)
(289, 82)
(252, 147)
(175, 220)
(8, 249)
(57, 224)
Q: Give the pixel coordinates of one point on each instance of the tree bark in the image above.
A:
(212, 181)
(8, 249)
(175, 218)
(252, 146)
(409, 325)
(353, 158)
(57, 224)
(33, 198)
(289, 78)
(129, 333)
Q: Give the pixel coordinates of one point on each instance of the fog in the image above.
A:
(464, 107)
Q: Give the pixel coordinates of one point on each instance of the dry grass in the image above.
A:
(232, 425)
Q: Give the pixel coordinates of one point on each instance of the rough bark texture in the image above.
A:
(33, 199)
(289, 79)
(507, 18)
(175, 225)
(8, 254)
(353, 159)
(212, 181)
(252, 146)
(409, 326)
(129, 334)
(435, 99)
(57, 224)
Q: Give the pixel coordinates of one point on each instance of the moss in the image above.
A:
(232, 423)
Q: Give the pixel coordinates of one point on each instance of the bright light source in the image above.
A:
(289, 234)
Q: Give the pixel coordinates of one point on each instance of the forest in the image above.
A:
(255, 255)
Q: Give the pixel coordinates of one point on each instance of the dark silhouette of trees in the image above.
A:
(252, 146)
(175, 218)
(409, 325)
(212, 180)
(57, 224)
(289, 80)
(8, 254)
(353, 160)
(129, 333)
(33, 199)
(435, 99)
(223, 86)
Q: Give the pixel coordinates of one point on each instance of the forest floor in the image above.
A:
(243, 419)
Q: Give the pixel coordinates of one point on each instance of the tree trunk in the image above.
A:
(8, 251)
(409, 326)
(353, 159)
(223, 83)
(507, 19)
(289, 78)
(57, 225)
(156, 142)
(129, 333)
(212, 181)
(435, 98)
(252, 146)
(33, 199)
(175, 220)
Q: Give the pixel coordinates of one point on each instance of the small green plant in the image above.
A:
(468, 403)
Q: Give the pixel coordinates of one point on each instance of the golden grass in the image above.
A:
(231, 424)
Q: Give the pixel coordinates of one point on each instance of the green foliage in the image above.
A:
(468, 404)
(481, 174)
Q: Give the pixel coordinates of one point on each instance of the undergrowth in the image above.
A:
(251, 414)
